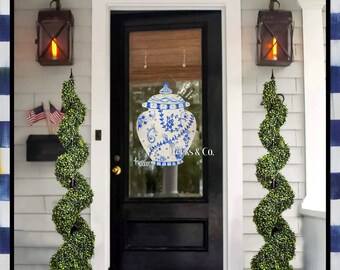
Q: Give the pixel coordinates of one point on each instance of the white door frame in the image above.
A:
(232, 121)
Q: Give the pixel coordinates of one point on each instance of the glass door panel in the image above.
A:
(155, 57)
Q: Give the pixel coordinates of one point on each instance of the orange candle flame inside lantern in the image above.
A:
(274, 48)
(54, 48)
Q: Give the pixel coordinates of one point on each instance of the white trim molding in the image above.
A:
(315, 107)
(232, 121)
(312, 4)
(313, 207)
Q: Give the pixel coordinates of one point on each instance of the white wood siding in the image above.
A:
(290, 83)
(36, 189)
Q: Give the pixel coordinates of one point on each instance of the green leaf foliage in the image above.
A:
(279, 247)
(78, 246)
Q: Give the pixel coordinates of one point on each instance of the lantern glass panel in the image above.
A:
(60, 39)
(280, 38)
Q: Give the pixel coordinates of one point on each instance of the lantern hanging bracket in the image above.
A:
(272, 4)
(57, 4)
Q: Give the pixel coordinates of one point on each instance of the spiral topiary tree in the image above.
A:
(279, 247)
(78, 246)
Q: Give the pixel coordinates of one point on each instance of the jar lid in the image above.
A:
(165, 100)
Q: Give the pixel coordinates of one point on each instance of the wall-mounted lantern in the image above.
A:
(274, 37)
(55, 36)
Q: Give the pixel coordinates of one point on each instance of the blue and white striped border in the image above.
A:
(4, 134)
(335, 133)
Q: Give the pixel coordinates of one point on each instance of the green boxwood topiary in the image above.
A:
(78, 246)
(279, 247)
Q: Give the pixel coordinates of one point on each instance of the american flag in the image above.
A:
(35, 115)
(55, 115)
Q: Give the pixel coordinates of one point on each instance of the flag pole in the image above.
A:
(47, 118)
(53, 126)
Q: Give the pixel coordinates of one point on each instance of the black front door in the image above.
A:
(166, 217)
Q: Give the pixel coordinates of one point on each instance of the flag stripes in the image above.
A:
(55, 115)
(36, 114)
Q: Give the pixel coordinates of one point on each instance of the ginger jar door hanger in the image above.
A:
(165, 103)
(166, 130)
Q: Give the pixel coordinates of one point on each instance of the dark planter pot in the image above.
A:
(43, 148)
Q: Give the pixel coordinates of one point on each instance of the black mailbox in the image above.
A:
(43, 148)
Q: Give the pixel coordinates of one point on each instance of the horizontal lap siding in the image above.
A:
(290, 84)
(4, 135)
(36, 189)
(335, 135)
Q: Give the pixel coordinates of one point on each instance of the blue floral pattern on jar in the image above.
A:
(166, 130)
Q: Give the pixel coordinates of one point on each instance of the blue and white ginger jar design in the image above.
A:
(166, 130)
